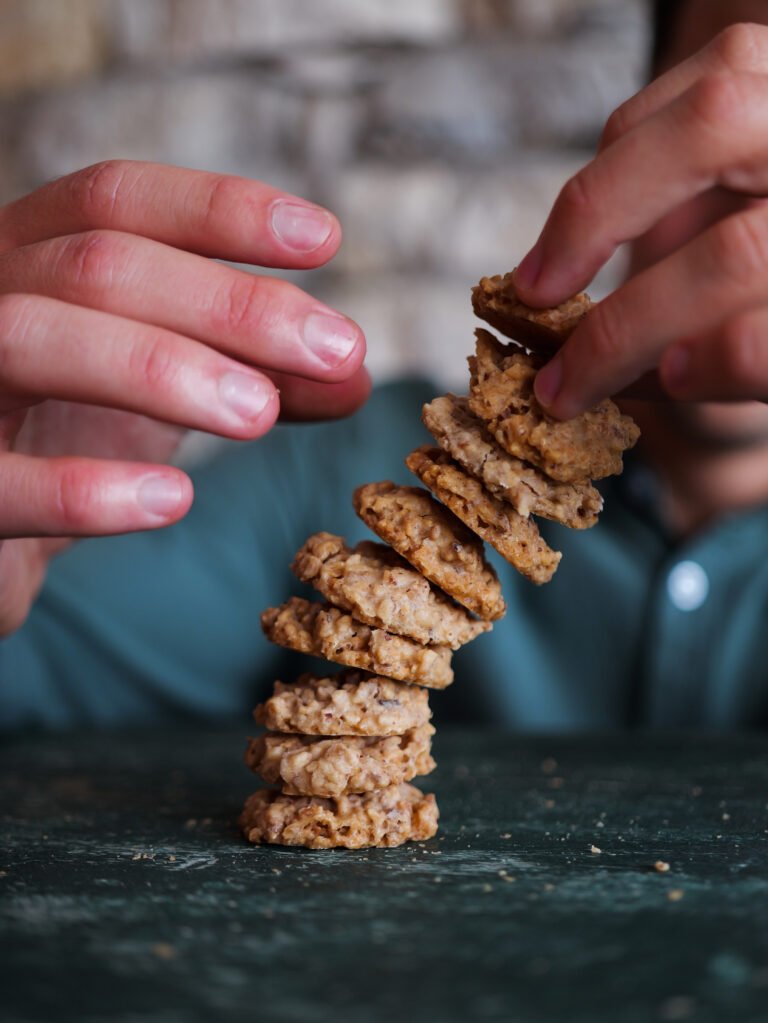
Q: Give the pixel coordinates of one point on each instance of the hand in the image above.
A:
(684, 160)
(117, 333)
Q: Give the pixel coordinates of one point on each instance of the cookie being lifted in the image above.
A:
(577, 450)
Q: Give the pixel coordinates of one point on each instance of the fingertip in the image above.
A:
(307, 235)
(164, 497)
(674, 369)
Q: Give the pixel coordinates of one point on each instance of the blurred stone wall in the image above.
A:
(438, 130)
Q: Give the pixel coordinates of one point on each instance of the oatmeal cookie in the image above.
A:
(517, 539)
(587, 447)
(378, 587)
(495, 300)
(435, 543)
(325, 631)
(464, 437)
(386, 817)
(304, 765)
(351, 703)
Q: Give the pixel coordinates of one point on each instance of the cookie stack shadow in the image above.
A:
(341, 751)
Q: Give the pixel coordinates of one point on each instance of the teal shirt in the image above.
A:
(164, 625)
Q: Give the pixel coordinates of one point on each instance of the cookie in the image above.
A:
(386, 817)
(303, 765)
(433, 540)
(517, 539)
(325, 631)
(495, 300)
(587, 447)
(380, 588)
(464, 437)
(352, 703)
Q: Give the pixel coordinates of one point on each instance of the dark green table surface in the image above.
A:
(126, 893)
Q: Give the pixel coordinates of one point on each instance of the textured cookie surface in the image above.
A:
(495, 300)
(529, 491)
(387, 817)
(379, 587)
(351, 703)
(587, 447)
(303, 765)
(328, 632)
(515, 538)
(434, 542)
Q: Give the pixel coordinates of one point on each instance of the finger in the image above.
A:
(51, 349)
(738, 48)
(309, 401)
(213, 214)
(260, 320)
(87, 497)
(716, 133)
(730, 364)
(715, 277)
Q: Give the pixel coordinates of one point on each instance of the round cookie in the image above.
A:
(386, 817)
(350, 703)
(304, 765)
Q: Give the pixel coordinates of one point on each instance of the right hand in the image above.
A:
(118, 330)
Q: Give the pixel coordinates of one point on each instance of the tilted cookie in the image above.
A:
(495, 300)
(325, 631)
(464, 437)
(379, 587)
(587, 447)
(386, 817)
(517, 539)
(351, 703)
(304, 765)
(434, 542)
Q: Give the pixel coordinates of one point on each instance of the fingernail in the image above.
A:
(527, 273)
(330, 337)
(548, 381)
(675, 366)
(303, 228)
(159, 496)
(247, 396)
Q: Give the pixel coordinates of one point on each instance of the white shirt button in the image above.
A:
(687, 586)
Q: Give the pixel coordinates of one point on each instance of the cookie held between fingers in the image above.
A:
(434, 541)
(379, 587)
(351, 703)
(529, 491)
(575, 451)
(325, 631)
(494, 299)
(517, 539)
(303, 765)
(386, 817)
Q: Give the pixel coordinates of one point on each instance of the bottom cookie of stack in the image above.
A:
(386, 817)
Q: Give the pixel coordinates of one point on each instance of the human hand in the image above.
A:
(686, 160)
(116, 334)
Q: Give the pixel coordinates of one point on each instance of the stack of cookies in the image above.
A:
(343, 750)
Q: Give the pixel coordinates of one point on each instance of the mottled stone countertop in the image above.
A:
(126, 893)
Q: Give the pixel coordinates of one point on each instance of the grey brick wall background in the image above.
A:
(438, 130)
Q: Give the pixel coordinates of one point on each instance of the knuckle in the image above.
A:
(91, 259)
(740, 249)
(224, 196)
(75, 497)
(740, 46)
(615, 126)
(716, 101)
(16, 315)
(153, 365)
(243, 306)
(576, 197)
(98, 189)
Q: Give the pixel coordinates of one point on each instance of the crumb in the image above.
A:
(487, 888)
(505, 835)
(726, 817)
(549, 803)
(556, 783)
(549, 887)
(549, 765)
(594, 849)
(163, 950)
(661, 866)
(171, 859)
(675, 894)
